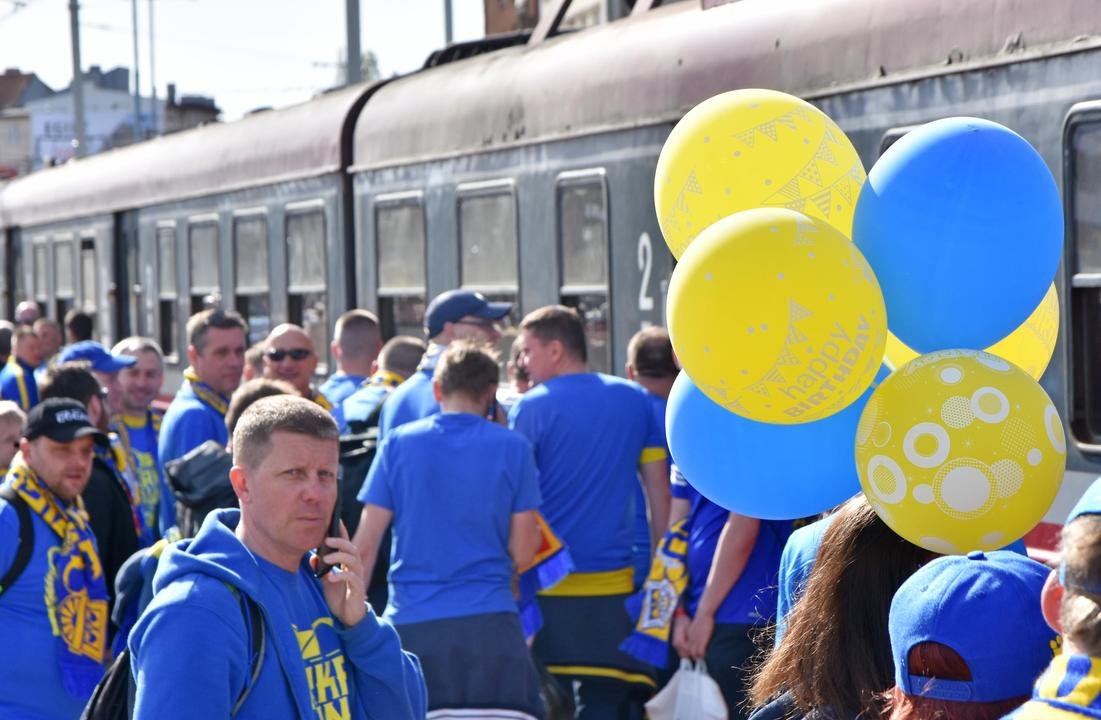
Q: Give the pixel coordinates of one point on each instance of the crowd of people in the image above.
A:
(517, 549)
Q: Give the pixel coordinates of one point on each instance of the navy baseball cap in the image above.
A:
(96, 354)
(454, 305)
(61, 420)
(986, 607)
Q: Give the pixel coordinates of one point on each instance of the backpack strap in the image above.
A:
(254, 626)
(26, 537)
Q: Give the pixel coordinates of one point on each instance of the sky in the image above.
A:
(245, 54)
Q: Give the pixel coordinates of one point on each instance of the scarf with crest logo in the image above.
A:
(207, 394)
(655, 604)
(552, 562)
(75, 592)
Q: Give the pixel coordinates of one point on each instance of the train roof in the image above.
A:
(300, 141)
(654, 66)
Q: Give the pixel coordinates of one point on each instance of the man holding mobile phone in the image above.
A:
(326, 654)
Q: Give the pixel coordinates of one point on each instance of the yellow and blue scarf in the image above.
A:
(117, 458)
(320, 400)
(655, 604)
(75, 592)
(552, 563)
(207, 394)
(1069, 689)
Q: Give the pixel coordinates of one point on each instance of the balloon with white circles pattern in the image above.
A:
(959, 450)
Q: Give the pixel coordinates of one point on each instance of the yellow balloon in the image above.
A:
(777, 317)
(754, 148)
(1029, 347)
(960, 450)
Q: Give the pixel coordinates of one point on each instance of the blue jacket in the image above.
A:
(188, 423)
(17, 384)
(190, 648)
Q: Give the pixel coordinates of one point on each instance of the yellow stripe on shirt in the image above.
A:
(591, 584)
(652, 454)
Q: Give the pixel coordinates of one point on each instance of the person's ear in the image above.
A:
(239, 482)
(437, 391)
(1051, 601)
(192, 355)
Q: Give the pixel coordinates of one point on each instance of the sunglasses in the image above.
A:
(297, 354)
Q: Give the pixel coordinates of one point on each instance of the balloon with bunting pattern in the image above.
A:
(776, 316)
(754, 148)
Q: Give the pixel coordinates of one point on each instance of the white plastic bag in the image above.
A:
(690, 695)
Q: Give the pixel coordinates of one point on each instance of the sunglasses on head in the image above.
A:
(295, 354)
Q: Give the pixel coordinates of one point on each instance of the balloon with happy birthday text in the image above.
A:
(962, 221)
(776, 316)
(960, 450)
(1029, 347)
(753, 148)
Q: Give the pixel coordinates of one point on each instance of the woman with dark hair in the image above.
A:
(968, 637)
(835, 657)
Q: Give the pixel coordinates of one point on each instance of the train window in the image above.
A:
(167, 322)
(203, 249)
(63, 275)
(488, 249)
(306, 295)
(399, 233)
(583, 237)
(250, 252)
(1084, 191)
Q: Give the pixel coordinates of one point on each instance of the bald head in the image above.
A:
(289, 355)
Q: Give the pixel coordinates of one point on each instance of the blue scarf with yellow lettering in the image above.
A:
(75, 592)
(655, 604)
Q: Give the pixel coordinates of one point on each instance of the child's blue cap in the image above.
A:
(1088, 504)
(986, 607)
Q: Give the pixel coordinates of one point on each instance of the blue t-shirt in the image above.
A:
(796, 562)
(453, 482)
(322, 653)
(412, 400)
(30, 684)
(139, 438)
(17, 383)
(752, 599)
(359, 405)
(339, 386)
(589, 431)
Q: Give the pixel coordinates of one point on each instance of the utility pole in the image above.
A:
(138, 134)
(152, 77)
(354, 72)
(447, 29)
(78, 79)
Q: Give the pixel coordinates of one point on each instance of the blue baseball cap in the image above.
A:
(1088, 504)
(986, 607)
(454, 305)
(96, 354)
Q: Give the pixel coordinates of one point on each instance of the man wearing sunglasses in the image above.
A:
(453, 315)
(289, 355)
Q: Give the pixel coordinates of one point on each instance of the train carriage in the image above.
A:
(526, 172)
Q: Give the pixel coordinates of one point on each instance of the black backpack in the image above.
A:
(26, 537)
(200, 484)
(113, 697)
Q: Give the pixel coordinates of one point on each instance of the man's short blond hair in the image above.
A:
(280, 413)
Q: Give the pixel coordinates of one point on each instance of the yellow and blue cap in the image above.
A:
(986, 607)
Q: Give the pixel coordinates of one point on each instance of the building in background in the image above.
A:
(188, 111)
(16, 142)
(504, 16)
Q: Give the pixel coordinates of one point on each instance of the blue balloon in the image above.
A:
(962, 223)
(761, 470)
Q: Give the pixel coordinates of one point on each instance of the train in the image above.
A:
(523, 167)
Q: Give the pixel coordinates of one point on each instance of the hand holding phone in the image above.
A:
(322, 567)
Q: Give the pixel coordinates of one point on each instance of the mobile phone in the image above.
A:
(323, 549)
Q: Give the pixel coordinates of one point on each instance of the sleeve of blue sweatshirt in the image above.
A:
(389, 682)
(189, 658)
(188, 430)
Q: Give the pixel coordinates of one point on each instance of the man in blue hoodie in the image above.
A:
(325, 653)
